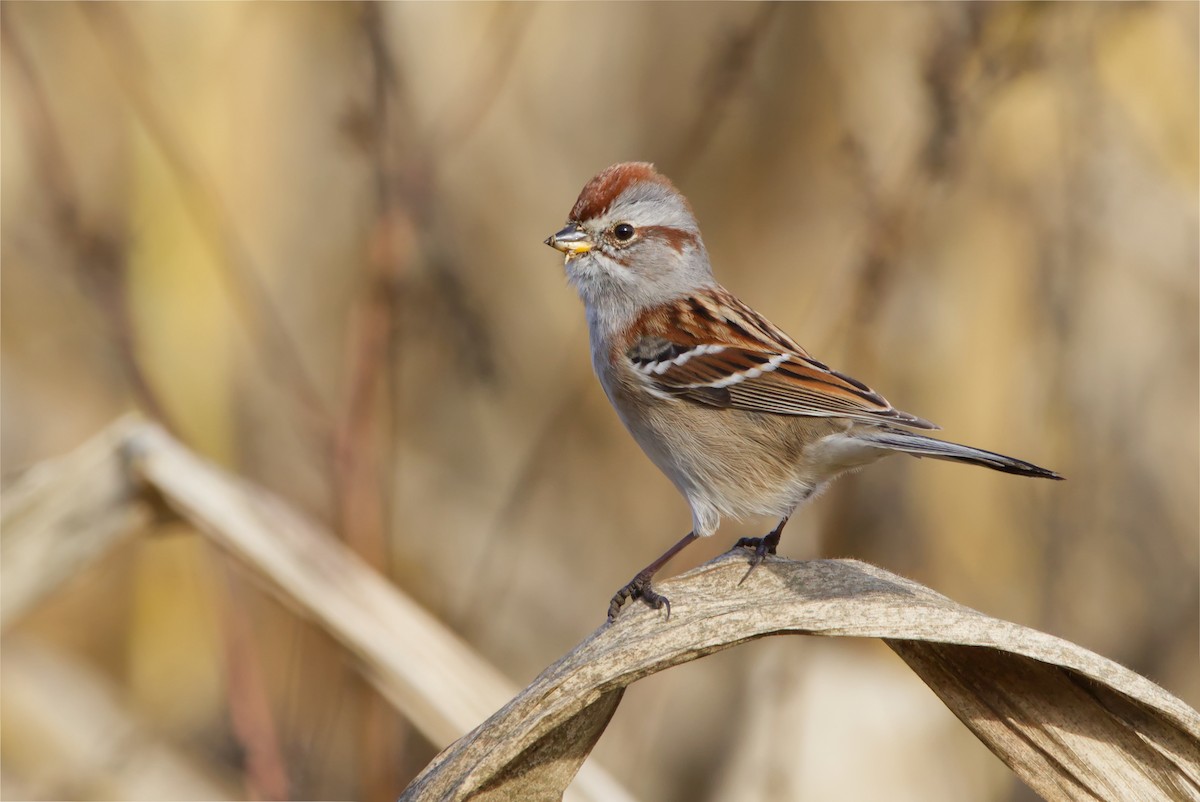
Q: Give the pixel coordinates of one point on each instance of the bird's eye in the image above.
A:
(623, 232)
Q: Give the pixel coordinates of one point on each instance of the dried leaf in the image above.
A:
(1071, 724)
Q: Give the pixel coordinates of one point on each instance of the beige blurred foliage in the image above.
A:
(309, 236)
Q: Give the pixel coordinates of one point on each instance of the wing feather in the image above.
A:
(712, 349)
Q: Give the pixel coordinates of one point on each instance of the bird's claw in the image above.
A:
(638, 588)
(762, 547)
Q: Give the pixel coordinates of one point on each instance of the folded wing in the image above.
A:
(712, 349)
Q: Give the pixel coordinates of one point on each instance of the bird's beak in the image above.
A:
(572, 240)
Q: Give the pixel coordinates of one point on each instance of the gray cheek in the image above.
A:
(666, 274)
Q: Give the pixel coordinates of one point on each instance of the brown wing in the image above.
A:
(712, 349)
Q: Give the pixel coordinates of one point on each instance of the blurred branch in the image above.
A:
(422, 668)
(133, 71)
(360, 513)
(1073, 725)
(98, 254)
(47, 144)
(406, 163)
(316, 575)
(202, 199)
(727, 72)
(249, 708)
(78, 741)
(402, 264)
(479, 566)
(45, 542)
(961, 76)
(469, 108)
(364, 424)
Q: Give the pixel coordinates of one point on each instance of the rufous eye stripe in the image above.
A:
(676, 238)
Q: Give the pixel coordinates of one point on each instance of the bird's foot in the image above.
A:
(762, 546)
(638, 588)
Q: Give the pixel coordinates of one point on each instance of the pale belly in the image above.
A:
(737, 463)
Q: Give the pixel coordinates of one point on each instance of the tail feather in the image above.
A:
(921, 446)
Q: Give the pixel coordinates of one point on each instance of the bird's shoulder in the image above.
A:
(711, 348)
(706, 320)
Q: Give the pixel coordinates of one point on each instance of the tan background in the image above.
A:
(309, 236)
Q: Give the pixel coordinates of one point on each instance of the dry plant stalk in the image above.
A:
(79, 741)
(62, 515)
(1071, 724)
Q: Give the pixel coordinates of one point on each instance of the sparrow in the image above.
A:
(735, 412)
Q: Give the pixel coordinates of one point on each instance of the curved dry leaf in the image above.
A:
(63, 514)
(1070, 723)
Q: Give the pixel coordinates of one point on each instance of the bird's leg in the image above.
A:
(639, 587)
(762, 546)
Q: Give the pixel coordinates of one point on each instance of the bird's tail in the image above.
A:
(921, 446)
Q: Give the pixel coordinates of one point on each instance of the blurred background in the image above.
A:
(308, 237)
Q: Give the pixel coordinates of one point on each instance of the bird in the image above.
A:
(741, 419)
